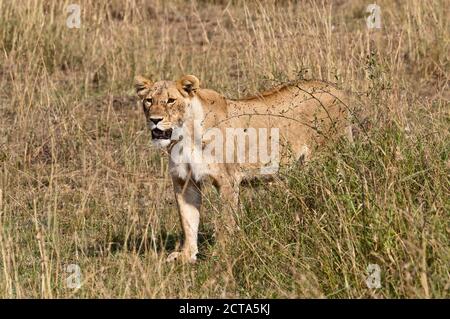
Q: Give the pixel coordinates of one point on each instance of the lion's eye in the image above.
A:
(170, 101)
(148, 100)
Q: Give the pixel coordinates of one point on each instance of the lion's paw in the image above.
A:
(181, 256)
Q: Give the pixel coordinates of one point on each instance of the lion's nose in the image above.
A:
(156, 120)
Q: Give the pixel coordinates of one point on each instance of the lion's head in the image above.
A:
(165, 104)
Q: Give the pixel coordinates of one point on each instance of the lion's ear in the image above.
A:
(188, 84)
(142, 85)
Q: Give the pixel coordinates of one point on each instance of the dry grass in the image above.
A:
(80, 183)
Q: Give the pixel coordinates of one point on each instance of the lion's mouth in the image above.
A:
(158, 134)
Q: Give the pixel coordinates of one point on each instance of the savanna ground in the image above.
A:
(81, 184)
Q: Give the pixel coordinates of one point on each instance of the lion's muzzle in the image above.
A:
(158, 134)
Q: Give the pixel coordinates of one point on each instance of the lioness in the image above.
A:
(187, 120)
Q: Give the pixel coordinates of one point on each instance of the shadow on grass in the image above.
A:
(163, 243)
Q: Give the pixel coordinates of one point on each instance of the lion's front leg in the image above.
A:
(229, 192)
(188, 196)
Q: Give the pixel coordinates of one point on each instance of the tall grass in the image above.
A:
(81, 184)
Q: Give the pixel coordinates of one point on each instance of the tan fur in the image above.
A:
(307, 114)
